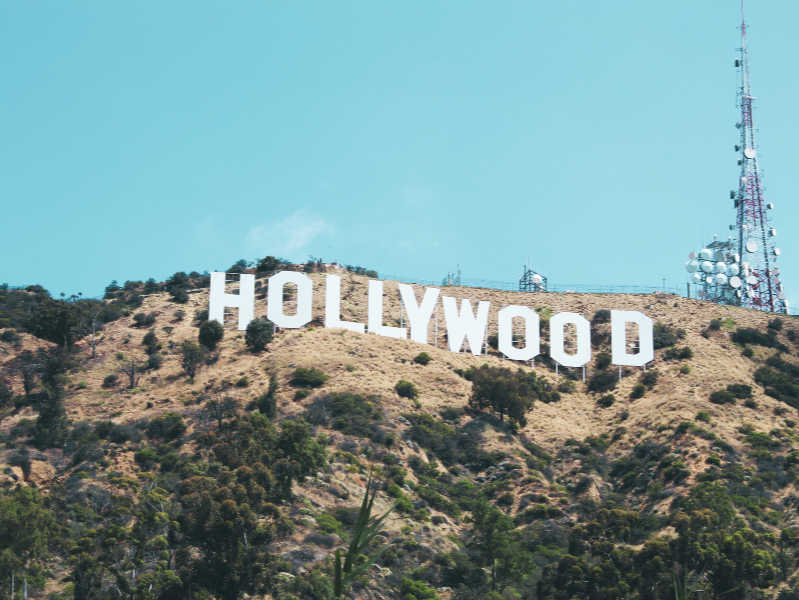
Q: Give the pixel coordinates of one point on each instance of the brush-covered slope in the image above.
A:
(124, 477)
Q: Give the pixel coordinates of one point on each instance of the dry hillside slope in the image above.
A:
(598, 494)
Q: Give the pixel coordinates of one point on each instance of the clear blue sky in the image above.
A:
(596, 138)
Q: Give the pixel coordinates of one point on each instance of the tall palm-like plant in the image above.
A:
(363, 534)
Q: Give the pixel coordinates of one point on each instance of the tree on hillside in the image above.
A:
(51, 424)
(211, 333)
(132, 370)
(505, 392)
(29, 366)
(259, 334)
(268, 265)
(27, 527)
(193, 356)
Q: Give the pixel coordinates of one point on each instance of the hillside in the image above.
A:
(245, 479)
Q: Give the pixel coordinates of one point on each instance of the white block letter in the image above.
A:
(618, 344)
(531, 332)
(418, 314)
(244, 300)
(376, 313)
(274, 310)
(556, 350)
(463, 324)
(333, 306)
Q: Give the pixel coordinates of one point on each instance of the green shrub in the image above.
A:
(422, 358)
(567, 387)
(351, 414)
(750, 403)
(650, 378)
(143, 320)
(267, 402)
(606, 401)
(242, 382)
(603, 381)
(601, 316)
(301, 394)
(749, 336)
(602, 361)
(154, 361)
(329, 524)
(210, 334)
(740, 390)
(259, 333)
(638, 391)
(150, 342)
(703, 416)
(406, 389)
(308, 377)
(715, 325)
(168, 426)
(675, 353)
(775, 324)
(685, 369)
(110, 380)
(412, 589)
(10, 336)
(6, 395)
(722, 397)
(747, 352)
(665, 335)
(146, 457)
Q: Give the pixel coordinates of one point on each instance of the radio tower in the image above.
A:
(760, 285)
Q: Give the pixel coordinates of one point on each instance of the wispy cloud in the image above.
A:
(289, 236)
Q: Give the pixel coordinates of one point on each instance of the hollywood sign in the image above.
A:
(461, 322)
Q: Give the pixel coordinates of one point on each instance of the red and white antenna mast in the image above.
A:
(759, 284)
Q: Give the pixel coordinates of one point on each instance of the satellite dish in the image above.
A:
(751, 280)
(770, 205)
(743, 180)
(691, 266)
(751, 246)
(738, 293)
(772, 232)
(709, 280)
(781, 295)
(692, 255)
(697, 277)
(776, 251)
(749, 153)
(707, 266)
(721, 279)
(721, 267)
(736, 257)
(537, 278)
(733, 269)
(735, 282)
(706, 254)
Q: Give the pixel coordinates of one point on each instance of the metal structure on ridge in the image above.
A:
(743, 270)
(531, 281)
